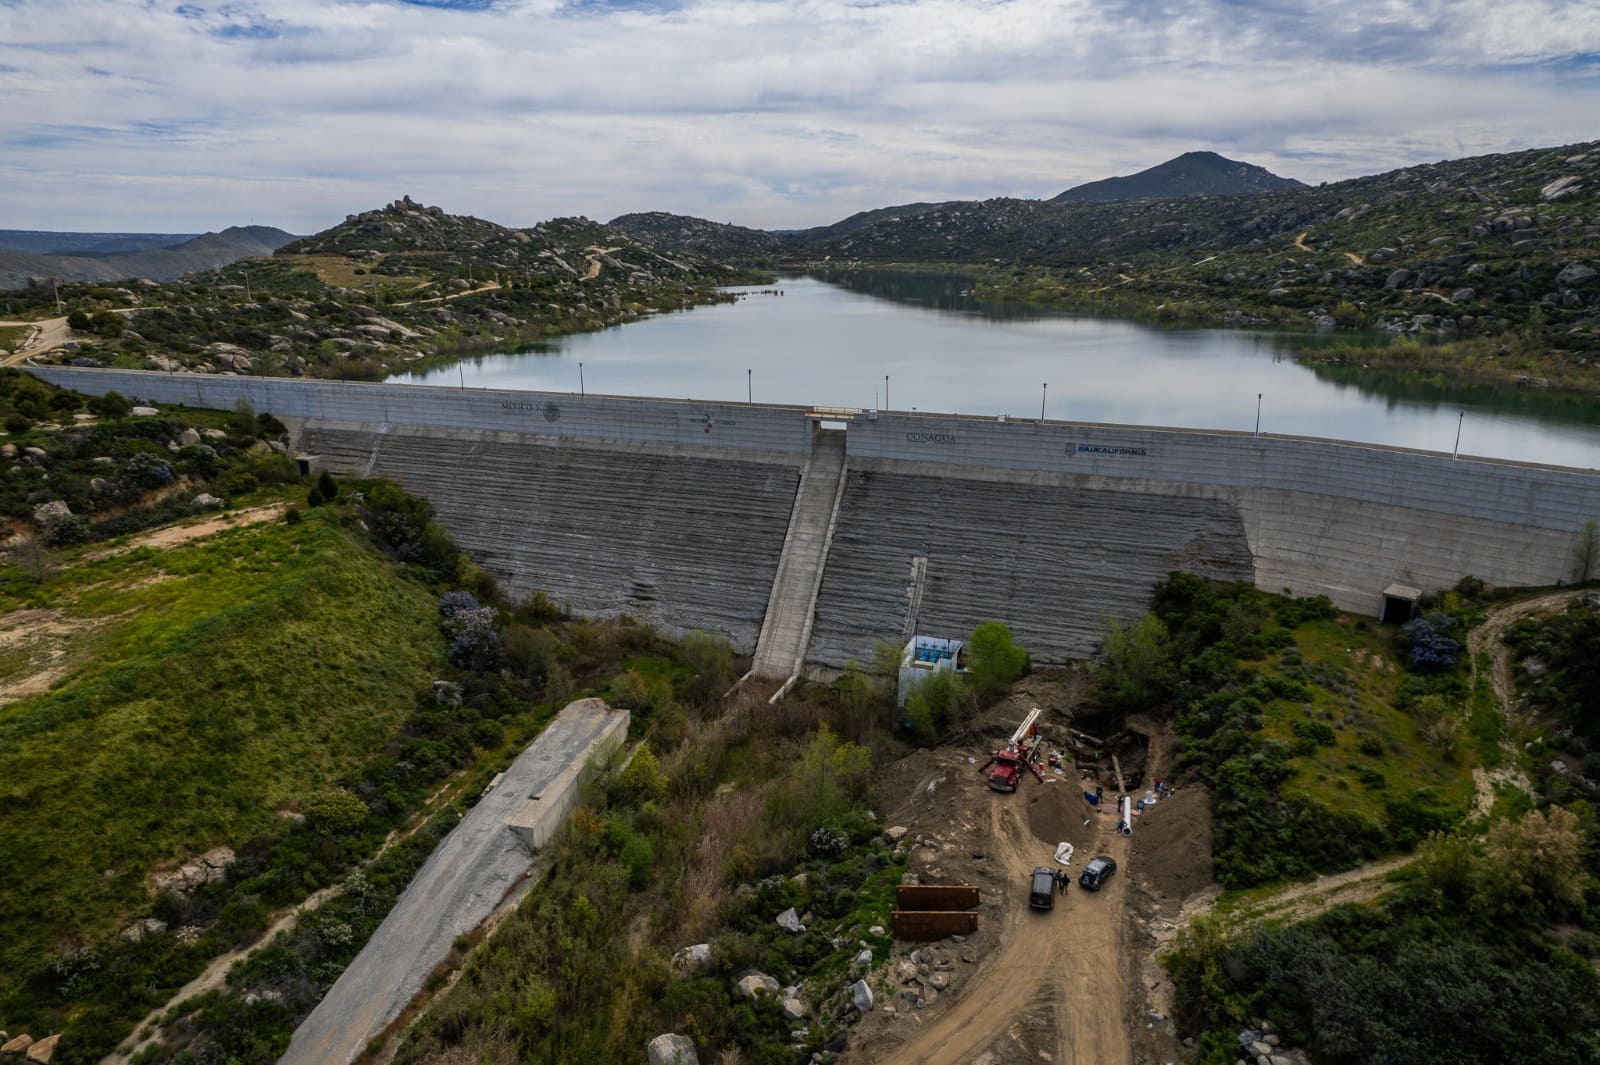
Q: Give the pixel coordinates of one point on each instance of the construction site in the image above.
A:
(1076, 982)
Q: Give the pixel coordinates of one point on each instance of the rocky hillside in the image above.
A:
(1190, 174)
(18, 270)
(391, 288)
(715, 240)
(1499, 250)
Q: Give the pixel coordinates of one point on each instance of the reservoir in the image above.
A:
(919, 342)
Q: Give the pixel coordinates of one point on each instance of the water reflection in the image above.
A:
(941, 350)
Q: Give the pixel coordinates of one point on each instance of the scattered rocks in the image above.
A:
(794, 1007)
(196, 873)
(187, 437)
(671, 1049)
(17, 1045)
(206, 501)
(895, 834)
(789, 921)
(8, 451)
(147, 926)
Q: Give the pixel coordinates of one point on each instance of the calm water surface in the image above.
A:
(823, 344)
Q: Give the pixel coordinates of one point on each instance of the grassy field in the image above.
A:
(1378, 751)
(12, 335)
(195, 693)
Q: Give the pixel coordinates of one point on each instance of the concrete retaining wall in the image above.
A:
(676, 509)
(553, 798)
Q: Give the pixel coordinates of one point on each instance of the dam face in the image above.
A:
(679, 512)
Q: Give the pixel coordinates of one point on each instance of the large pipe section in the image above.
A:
(1125, 816)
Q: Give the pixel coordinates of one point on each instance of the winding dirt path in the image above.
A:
(1071, 957)
(1489, 637)
(1488, 640)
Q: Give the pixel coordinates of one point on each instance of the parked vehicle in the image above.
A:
(1042, 890)
(1097, 872)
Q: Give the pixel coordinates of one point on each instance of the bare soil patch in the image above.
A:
(171, 536)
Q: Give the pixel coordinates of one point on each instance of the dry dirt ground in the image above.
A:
(170, 536)
(1066, 985)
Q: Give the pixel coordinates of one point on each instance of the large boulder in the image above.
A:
(51, 512)
(794, 1007)
(1574, 274)
(755, 983)
(861, 996)
(789, 921)
(671, 1049)
(42, 1051)
(692, 958)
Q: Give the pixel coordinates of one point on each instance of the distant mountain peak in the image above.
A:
(1197, 173)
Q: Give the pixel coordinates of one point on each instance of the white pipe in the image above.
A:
(1125, 808)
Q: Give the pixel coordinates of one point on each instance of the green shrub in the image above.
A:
(335, 812)
(994, 661)
(17, 424)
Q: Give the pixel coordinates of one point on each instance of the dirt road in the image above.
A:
(1069, 960)
(48, 334)
(1488, 637)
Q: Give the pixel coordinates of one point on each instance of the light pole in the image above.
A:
(749, 387)
(885, 391)
(1456, 451)
(1043, 392)
(580, 380)
(1258, 413)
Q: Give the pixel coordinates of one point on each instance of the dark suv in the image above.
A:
(1042, 890)
(1097, 872)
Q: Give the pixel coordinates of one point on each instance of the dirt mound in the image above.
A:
(1172, 844)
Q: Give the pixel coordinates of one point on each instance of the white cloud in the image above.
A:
(294, 112)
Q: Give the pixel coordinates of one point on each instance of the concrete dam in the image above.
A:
(805, 535)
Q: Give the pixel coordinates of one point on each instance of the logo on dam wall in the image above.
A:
(552, 412)
(931, 438)
(518, 404)
(1102, 449)
(710, 423)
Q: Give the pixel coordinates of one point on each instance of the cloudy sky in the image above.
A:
(184, 116)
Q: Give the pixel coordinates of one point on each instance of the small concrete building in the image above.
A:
(925, 656)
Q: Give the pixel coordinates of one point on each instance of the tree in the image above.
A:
(994, 660)
(1135, 668)
(1588, 552)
